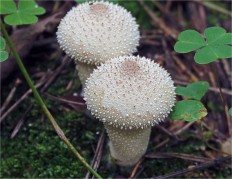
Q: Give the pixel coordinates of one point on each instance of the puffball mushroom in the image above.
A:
(129, 95)
(92, 33)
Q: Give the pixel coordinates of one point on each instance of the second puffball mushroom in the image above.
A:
(129, 95)
(92, 33)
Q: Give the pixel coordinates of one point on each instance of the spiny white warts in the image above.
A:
(130, 93)
(95, 32)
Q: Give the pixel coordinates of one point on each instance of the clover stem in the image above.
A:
(42, 104)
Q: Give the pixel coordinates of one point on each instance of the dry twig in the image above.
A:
(178, 155)
(26, 94)
(132, 175)
(205, 165)
(159, 22)
(20, 123)
(64, 100)
(98, 153)
(10, 96)
(175, 133)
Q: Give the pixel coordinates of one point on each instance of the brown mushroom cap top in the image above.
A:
(130, 92)
(95, 32)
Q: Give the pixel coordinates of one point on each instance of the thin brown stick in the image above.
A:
(98, 153)
(214, 7)
(184, 68)
(175, 133)
(197, 168)
(66, 62)
(182, 129)
(10, 96)
(43, 81)
(139, 172)
(167, 132)
(134, 171)
(26, 94)
(188, 157)
(64, 100)
(20, 123)
(159, 22)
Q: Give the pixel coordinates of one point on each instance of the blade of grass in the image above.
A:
(42, 104)
(214, 7)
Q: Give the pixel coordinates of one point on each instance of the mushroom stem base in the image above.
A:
(127, 146)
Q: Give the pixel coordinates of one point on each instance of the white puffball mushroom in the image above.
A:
(129, 95)
(94, 32)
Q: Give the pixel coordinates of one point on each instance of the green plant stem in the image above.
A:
(214, 7)
(42, 104)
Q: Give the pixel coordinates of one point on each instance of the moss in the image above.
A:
(38, 155)
(37, 151)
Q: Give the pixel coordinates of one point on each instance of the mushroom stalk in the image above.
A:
(84, 70)
(127, 146)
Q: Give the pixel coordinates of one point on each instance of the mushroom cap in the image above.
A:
(95, 32)
(130, 92)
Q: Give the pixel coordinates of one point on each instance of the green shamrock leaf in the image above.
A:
(217, 35)
(194, 90)
(217, 44)
(188, 110)
(24, 14)
(7, 7)
(3, 54)
(189, 40)
(211, 53)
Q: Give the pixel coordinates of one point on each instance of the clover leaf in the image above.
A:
(189, 40)
(191, 109)
(194, 90)
(3, 54)
(188, 110)
(216, 45)
(25, 13)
